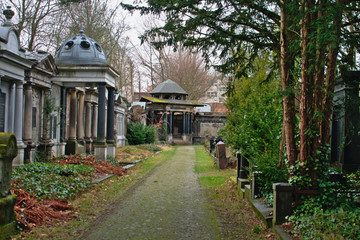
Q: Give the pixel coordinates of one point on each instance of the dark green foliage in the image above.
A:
(51, 180)
(149, 134)
(138, 133)
(254, 123)
(328, 213)
(217, 28)
(312, 221)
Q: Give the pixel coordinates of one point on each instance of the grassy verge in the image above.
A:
(95, 201)
(235, 215)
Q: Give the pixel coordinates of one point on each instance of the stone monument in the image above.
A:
(8, 151)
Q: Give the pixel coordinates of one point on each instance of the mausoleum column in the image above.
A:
(19, 112)
(101, 115)
(12, 110)
(171, 122)
(190, 123)
(110, 116)
(94, 121)
(28, 114)
(184, 123)
(71, 144)
(18, 123)
(110, 123)
(100, 147)
(62, 114)
(88, 120)
(72, 119)
(80, 118)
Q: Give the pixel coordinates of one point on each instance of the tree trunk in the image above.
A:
(331, 75)
(286, 62)
(307, 77)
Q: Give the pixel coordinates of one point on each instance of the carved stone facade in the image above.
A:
(59, 105)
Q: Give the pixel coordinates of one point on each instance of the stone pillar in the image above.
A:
(100, 145)
(110, 123)
(184, 123)
(169, 137)
(28, 140)
(283, 198)
(80, 119)
(18, 124)
(190, 128)
(71, 143)
(61, 148)
(94, 122)
(11, 118)
(46, 145)
(221, 161)
(171, 123)
(165, 125)
(8, 150)
(62, 114)
(88, 117)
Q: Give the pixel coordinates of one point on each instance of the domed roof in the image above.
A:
(168, 87)
(81, 50)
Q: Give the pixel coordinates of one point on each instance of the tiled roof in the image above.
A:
(168, 87)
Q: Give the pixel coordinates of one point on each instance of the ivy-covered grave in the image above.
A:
(43, 188)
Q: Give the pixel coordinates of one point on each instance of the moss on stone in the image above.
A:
(7, 230)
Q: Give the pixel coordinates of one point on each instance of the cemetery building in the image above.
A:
(63, 105)
(169, 107)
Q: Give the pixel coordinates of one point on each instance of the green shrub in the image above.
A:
(51, 180)
(138, 133)
(150, 134)
(135, 133)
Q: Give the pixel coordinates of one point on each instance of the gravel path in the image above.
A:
(169, 204)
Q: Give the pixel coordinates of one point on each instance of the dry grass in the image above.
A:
(127, 154)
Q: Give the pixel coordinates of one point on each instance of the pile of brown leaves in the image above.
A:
(30, 211)
(101, 167)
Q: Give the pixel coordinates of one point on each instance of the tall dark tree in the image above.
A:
(306, 36)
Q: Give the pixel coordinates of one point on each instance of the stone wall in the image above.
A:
(206, 125)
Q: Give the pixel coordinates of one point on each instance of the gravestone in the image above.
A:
(221, 160)
(8, 151)
(283, 198)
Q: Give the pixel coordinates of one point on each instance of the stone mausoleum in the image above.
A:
(63, 105)
(168, 105)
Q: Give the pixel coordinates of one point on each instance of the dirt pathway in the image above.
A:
(169, 204)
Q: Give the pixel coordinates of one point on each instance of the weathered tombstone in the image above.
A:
(242, 171)
(283, 198)
(8, 151)
(255, 191)
(221, 160)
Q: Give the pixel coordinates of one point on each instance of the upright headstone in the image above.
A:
(283, 198)
(8, 151)
(221, 161)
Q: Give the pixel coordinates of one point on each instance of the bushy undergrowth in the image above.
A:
(313, 221)
(138, 133)
(51, 180)
(331, 214)
(254, 122)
